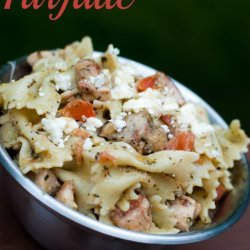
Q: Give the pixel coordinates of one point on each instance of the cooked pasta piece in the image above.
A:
(66, 194)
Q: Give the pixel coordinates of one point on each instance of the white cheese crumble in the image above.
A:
(189, 117)
(98, 81)
(149, 99)
(61, 65)
(57, 127)
(88, 144)
(40, 92)
(215, 153)
(124, 84)
(92, 124)
(154, 101)
(165, 128)
(167, 107)
(102, 79)
(119, 122)
(62, 81)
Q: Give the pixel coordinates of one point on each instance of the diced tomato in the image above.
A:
(77, 109)
(148, 82)
(182, 141)
(166, 119)
(221, 190)
(106, 158)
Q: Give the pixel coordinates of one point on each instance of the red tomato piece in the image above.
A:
(148, 82)
(182, 141)
(77, 109)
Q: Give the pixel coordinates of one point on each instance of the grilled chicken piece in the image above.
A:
(66, 195)
(137, 218)
(164, 81)
(186, 210)
(141, 133)
(47, 181)
(91, 82)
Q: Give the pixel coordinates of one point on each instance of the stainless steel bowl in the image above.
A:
(57, 227)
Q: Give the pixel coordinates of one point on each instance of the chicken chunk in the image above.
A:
(91, 82)
(141, 132)
(163, 81)
(66, 195)
(186, 210)
(47, 181)
(137, 218)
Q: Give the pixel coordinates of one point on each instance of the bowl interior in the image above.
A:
(230, 210)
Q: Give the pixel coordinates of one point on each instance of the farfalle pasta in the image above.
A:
(118, 145)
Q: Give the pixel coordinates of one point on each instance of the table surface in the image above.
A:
(14, 237)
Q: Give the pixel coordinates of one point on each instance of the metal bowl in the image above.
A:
(55, 226)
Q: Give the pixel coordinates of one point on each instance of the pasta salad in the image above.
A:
(124, 148)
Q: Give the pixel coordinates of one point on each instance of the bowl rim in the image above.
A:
(119, 233)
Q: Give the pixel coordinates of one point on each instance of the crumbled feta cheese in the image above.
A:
(124, 84)
(215, 153)
(189, 117)
(122, 92)
(101, 79)
(61, 65)
(153, 100)
(165, 128)
(112, 50)
(56, 127)
(167, 107)
(92, 124)
(97, 81)
(70, 126)
(40, 93)
(62, 81)
(149, 99)
(119, 122)
(87, 145)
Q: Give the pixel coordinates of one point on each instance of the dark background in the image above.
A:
(204, 44)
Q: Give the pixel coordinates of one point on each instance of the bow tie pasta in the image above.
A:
(120, 146)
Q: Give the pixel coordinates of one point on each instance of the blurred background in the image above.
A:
(205, 44)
